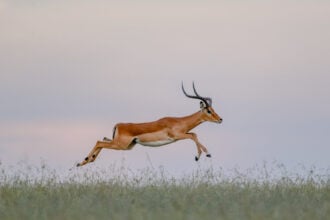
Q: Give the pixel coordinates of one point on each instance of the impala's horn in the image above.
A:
(207, 101)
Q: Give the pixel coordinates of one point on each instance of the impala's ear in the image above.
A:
(202, 105)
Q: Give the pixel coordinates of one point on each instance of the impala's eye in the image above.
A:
(208, 111)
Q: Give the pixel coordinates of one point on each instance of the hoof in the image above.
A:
(196, 158)
(208, 155)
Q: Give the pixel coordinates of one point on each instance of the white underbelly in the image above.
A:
(155, 143)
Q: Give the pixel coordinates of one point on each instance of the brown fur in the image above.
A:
(160, 132)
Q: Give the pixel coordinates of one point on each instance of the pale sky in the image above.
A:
(70, 70)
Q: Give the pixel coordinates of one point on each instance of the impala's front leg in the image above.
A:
(200, 147)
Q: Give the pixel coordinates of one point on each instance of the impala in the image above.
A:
(158, 133)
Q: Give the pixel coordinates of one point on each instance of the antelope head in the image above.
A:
(205, 105)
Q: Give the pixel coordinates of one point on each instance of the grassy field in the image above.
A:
(151, 194)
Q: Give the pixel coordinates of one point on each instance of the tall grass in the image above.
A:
(119, 193)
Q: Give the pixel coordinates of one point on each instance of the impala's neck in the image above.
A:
(193, 120)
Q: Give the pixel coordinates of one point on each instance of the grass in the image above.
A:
(118, 193)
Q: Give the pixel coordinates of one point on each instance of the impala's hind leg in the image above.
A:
(97, 151)
(92, 154)
(106, 139)
(123, 144)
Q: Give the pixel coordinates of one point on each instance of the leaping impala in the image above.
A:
(158, 133)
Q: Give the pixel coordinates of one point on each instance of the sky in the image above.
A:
(70, 70)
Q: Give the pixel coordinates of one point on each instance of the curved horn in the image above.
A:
(208, 99)
(195, 97)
